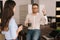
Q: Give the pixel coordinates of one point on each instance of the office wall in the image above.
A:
(50, 6)
(17, 8)
(17, 12)
(57, 0)
(0, 0)
(36, 1)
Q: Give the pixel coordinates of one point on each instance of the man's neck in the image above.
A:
(34, 14)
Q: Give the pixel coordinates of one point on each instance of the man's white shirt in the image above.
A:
(35, 20)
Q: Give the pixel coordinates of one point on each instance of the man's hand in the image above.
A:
(44, 11)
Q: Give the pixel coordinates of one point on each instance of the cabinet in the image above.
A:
(58, 14)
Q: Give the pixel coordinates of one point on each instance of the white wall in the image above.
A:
(50, 6)
(0, 0)
(17, 13)
(36, 1)
(57, 0)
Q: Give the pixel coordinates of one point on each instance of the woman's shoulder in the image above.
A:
(12, 20)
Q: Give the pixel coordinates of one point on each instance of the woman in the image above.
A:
(9, 26)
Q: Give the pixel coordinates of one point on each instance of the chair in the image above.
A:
(52, 35)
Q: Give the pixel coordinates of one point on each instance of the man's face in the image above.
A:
(35, 9)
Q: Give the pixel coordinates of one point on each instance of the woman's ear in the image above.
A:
(14, 9)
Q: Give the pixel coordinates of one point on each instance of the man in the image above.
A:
(34, 19)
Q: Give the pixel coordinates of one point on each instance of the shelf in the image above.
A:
(57, 3)
(58, 8)
(57, 12)
(58, 23)
(58, 28)
(57, 19)
(58, 16)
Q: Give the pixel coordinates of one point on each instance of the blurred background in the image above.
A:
(23, 7)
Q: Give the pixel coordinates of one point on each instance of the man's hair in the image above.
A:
(35, 4)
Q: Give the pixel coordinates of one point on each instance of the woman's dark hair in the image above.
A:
(7, 13)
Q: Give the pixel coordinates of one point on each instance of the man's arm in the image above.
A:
(26, 21)
(43, 20)
(44, 11)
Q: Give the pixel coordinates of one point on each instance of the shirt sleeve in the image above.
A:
(13, 28)
(46, 20)
(42, 19)
(27, 19)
